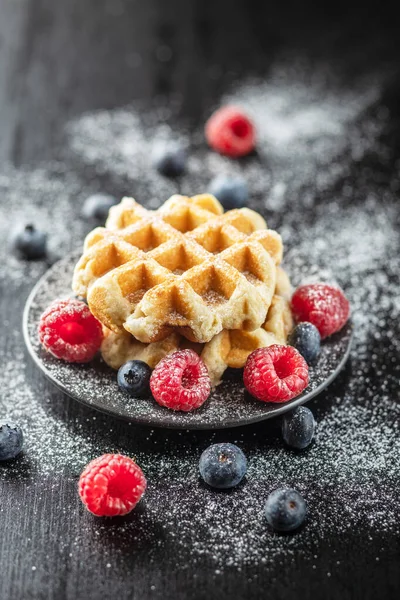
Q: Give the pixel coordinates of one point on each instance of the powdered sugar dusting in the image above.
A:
(313, 180)
(228, 405)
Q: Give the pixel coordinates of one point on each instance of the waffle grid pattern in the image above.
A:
(186, 268)
(227, 349)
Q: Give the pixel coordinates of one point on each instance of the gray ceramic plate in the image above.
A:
(95, 384)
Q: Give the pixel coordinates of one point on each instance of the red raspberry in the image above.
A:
(69, 331)
(230, 132)
(275, 374)
(181, 381)
(111, 485)
(325, 306)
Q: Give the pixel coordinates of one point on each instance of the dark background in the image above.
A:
(59, 58)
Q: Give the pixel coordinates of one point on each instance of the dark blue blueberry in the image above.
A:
(11, 440)
(298, 428)
(170, 160)
(285, 510)
(134, 378)
(96, 207)
(29, 242)
(306, 339)
(223, 465)
(232, 192)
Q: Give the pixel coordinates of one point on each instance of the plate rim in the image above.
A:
(280, 409)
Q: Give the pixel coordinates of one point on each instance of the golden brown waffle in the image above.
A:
(227, 349)
(185, 268)
(283, 285)
(231, 348)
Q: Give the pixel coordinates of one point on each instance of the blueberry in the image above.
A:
(96, 207)
(223, 465)
(298, 427)
(134, 378)
(285, 510)
(306, 338)
(29, 242)
(11, 440)
(232, 192)
(170, 160)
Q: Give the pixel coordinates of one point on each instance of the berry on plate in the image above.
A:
(29, 242)
(134, 378)
(229, 131)
(306, 338)
(68, 330)
(11, 440)
(181, 381)
(111, 485)
(285, 509)
(325, 306)
(223, 466)
(232, 192)
(170, 160)
(96, 207)
(298, 428)
(276, 373)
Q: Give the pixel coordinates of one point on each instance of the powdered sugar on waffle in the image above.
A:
(350, 476)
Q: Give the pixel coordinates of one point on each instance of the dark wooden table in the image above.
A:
(59, 59)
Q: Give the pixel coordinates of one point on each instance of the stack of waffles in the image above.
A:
(187, 275)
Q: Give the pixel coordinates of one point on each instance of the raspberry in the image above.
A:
(325, 306)
(111, 485)
(275, 374)
(230, 132)
(181, 381)
(68, 330)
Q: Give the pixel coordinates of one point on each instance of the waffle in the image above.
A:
(186, 268)
(283, 285)
(231, 348)
(227, 349)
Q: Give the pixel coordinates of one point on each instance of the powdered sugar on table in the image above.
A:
(311, 180)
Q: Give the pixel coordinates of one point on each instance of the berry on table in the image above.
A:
(29, 242)
(68, 330)
(223, 466)
(276, 373)
(11, 440)
(232, 192)
(170, 160)
(229, 131)
(325, 306)
(285, 509)
(111, 485)
(181, 381)
(306, 338)
(298, 428)
(96, 207)
(134, 378)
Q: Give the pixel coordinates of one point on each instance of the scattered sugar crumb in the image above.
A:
(312, 181)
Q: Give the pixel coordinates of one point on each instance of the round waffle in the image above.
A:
(229, 348)
(186, 268)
